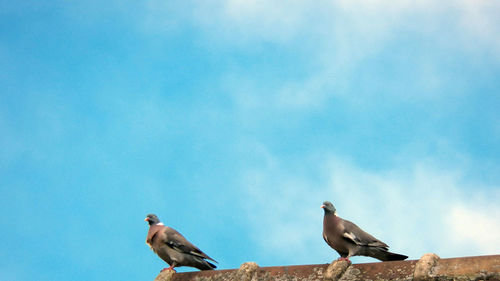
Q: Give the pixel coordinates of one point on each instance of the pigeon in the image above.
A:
(173, 248)
(349, 240)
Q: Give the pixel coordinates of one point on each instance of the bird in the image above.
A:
(349, 240)
(174, 248)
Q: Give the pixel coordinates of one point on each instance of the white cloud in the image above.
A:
(238, 22)
(481, 26)
(336, 38)
(343, 34)
(418, 209)
(275, 20)
(475, 224)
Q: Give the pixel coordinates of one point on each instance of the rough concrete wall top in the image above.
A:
(429, 267)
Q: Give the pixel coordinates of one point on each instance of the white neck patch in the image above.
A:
(160, 223)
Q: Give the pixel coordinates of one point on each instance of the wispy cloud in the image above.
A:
(479, 21)
(338, 39)
(475, 224)
(251, 21)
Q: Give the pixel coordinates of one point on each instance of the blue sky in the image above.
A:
(234, 120)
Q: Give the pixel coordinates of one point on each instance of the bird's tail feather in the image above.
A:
(395, 257)
(204, 265)
(212, 266)
(384, 255)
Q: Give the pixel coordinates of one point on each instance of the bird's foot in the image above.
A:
(344, 259)
(168, 268)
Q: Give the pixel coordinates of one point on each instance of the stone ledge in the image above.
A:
(429, 267)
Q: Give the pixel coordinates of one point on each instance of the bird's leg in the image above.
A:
(170, 268)
(344, 259)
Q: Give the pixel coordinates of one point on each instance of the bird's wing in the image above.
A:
(355, 234)
(179, 243)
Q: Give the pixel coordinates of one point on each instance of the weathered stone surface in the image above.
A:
(424, 267)
(165, 275)
(251, 272)
(391, 270)
(468, 268)
(336, 269)
(247, 271)
(429, 267)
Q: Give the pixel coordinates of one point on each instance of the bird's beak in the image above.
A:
(323, 206)
(146, 219)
